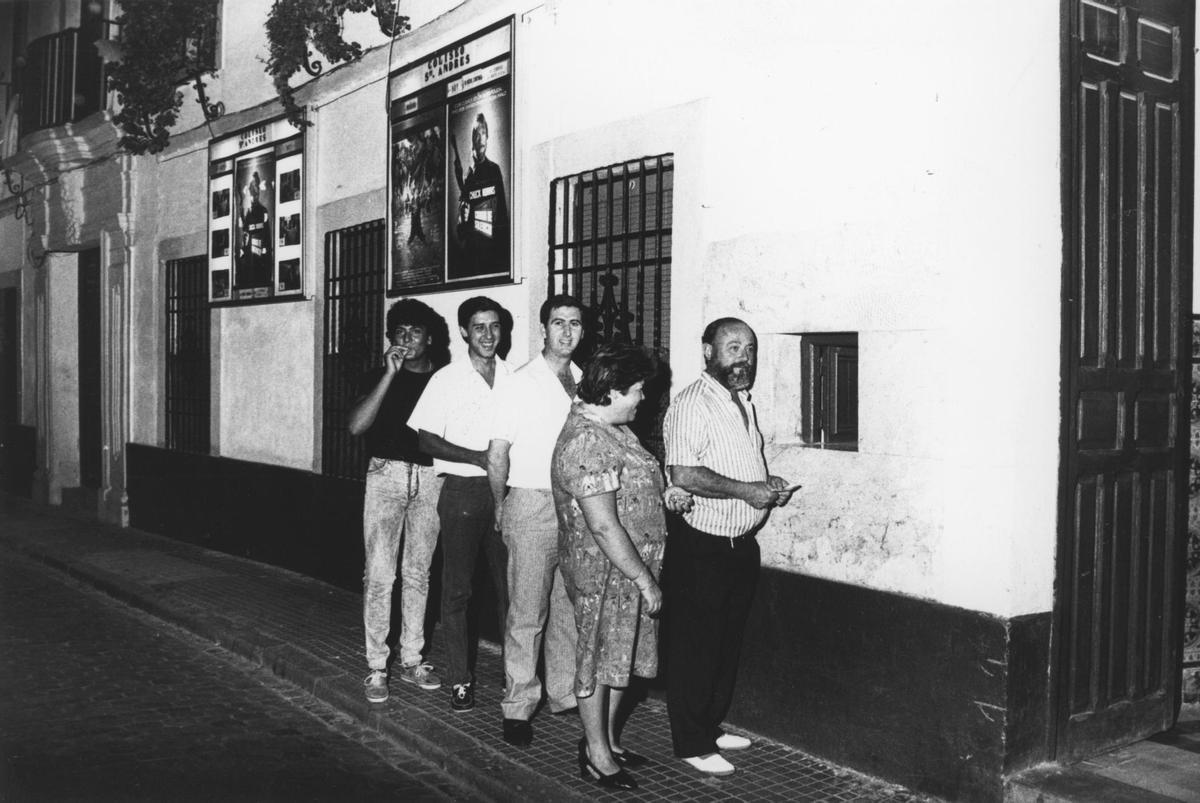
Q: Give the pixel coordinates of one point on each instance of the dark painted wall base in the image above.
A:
(285, 517)
(943, 700)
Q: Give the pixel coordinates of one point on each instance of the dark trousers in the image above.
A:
(708, 585)
(467, 513)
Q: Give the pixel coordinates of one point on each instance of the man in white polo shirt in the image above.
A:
(531, 412)
(714, 451)
(453, 419)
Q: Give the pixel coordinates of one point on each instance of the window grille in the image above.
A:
(189, 368)
(829, 376)
(610, 246)
(355, 278)
(62, 80)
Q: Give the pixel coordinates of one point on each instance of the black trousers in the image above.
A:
(467, 513)
(708, 585)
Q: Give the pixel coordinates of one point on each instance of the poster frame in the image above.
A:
(282, 145)
(421, 94)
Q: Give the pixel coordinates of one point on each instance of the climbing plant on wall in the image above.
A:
(163, 43)
(166, 43)
(293, 24)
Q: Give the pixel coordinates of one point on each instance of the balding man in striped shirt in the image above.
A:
(715, 451)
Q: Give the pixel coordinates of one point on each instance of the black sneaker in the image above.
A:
(462, 697)
(518, 732)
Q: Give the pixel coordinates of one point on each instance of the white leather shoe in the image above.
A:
(731, 741)
(712, 764)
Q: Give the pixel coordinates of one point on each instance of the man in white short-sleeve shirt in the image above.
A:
(454, 420)
(530, 414)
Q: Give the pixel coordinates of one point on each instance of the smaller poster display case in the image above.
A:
(255, 206)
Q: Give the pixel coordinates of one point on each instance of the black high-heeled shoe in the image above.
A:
(587, 770)
(628, 758)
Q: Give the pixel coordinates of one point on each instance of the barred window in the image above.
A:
(610, 246)
(188, 365)
(355, 275)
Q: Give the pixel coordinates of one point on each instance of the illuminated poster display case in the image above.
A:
(255, 209)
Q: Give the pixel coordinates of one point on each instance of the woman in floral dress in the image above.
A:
(609, 496)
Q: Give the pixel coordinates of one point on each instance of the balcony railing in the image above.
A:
(62, 80)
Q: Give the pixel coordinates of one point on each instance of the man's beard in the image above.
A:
(735, 376)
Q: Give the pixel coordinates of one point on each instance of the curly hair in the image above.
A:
(615, 366)
(411, 312)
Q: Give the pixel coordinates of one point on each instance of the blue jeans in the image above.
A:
(467, 514)
(400, 499)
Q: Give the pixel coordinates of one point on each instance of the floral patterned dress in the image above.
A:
(615, 637)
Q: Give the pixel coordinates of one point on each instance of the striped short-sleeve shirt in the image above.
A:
(704, 427)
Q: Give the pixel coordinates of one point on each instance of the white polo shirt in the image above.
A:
(529, 415)
(704, 427)
(459, 406)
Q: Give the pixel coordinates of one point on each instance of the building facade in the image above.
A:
(902, 201)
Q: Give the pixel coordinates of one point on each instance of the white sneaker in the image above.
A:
(712, 764)
(421, 675)
(376, 683)
(731, 741)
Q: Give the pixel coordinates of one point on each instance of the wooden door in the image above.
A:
(90, 435)
(1127, 168)
(10, 376)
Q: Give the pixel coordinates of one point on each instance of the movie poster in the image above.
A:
(481, 172)
(418, 201)
(254, 186)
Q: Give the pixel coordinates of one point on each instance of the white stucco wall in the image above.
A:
(893, 173)
(265, 374)
(12, 242)
(62, 382)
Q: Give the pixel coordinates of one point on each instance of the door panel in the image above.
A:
(10, 376)
(90, 436)
(1126, 370)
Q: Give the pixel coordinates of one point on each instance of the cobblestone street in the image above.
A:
(99, 701)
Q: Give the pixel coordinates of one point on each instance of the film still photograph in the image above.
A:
(220, 204)
(220, 243)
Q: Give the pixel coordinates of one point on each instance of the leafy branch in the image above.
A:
(163, 43)
(293, 24)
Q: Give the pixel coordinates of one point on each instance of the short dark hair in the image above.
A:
(615, 366)
(555, 301)
(411, 312)
(476, 304)
(710, 331)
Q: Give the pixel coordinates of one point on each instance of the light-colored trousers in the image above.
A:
(537, 607)
(400, 500)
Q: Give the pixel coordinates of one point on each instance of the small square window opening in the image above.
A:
(829, 399)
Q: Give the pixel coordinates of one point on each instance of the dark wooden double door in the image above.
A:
(1127, 168)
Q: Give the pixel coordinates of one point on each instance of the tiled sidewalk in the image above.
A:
(310, 633)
